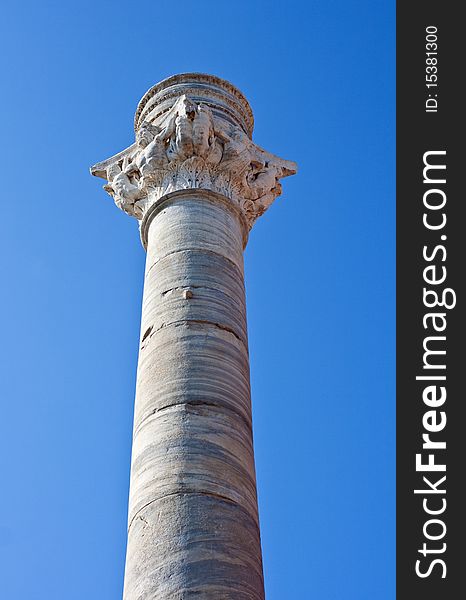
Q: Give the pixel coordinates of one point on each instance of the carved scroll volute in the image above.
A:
(192, 148)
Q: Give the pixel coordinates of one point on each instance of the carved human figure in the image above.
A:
(178, 131)
(264, 179)
(203, 131)
(237, 157)
(145, 134)
(125, 193)
(215, 153)
(190, 132)
(153, 152)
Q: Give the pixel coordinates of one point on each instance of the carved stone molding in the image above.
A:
(193, 132)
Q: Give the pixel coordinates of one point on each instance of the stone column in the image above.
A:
(195, 182)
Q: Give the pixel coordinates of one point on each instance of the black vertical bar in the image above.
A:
(430, 119)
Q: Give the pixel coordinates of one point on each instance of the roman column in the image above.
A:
(195, 182)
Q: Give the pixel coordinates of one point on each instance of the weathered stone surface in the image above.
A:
(208, 558)
(192, 425)
(195, 134)
(196, 183)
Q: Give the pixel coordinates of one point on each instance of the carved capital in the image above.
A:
(194, 131)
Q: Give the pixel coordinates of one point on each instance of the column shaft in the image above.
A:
(193, 522)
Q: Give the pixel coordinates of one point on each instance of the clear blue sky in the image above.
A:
(320, 285)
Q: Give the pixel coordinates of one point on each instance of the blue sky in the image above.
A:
(319, 277)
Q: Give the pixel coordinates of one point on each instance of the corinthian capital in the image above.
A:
(194, 131)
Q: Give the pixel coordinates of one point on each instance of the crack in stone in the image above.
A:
(145, 521)
(219, 326)
(199, 251)
(191, 492)
(148, 336)
(219, 407)
(147, 333)
(189, 287)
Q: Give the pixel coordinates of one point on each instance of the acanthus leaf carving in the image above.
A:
(193, 149)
